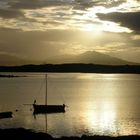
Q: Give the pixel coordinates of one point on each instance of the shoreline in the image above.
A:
(10, 76)
(70, 68)
(24, 134)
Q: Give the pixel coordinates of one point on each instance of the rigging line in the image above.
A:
(54, 86)
(62, 96)
(42, 83)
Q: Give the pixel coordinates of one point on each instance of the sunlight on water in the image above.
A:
(102, 104)
(102, 120)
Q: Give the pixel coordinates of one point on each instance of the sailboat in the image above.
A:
(7, 114)
(41, 109)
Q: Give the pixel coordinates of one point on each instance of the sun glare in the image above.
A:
(89, 27)
(114, 27)
(93, 24)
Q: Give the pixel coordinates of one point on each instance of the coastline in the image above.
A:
(10, 76)
(76, 68)
(22, 134)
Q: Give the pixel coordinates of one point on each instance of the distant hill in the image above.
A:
(11, 60)
(91, 57)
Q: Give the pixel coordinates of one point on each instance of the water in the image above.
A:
(102, 104)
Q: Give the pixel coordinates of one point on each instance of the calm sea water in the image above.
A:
(102, 104)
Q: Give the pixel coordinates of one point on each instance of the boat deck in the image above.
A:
(7, 114)
(48, 109)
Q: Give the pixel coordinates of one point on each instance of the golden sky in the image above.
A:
(45, 29)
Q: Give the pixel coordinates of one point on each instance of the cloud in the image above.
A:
(10, 13)
(29, 4)
(7, 12)
(130, 19)
(110, 3)
(51, 14)
(114, 3)
(39, 29)
(84, 4)
(35, 43)
(14, 8)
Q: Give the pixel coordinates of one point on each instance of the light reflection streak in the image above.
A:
(100, 116)
(103, 111)
(103, 120)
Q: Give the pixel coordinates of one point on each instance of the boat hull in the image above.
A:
(5, 115)
(40, 109)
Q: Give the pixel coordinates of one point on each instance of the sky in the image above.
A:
(44, 29)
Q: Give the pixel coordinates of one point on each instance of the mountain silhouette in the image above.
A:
(92, 57)
(12, 60)
(89, 57)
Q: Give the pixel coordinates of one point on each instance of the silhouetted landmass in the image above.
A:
(10, 76)
(89, 68)
(26, 134)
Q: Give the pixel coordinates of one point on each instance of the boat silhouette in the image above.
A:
(7, 114)
(45, 108)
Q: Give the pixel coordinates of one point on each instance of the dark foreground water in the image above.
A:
(101, 104)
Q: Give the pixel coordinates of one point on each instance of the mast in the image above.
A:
(46, 102)
(46, 91)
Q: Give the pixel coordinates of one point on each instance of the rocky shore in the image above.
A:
(26, 134)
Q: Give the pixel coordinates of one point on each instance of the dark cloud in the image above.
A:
(14, 7)
(35, 4)
(77, 4)
(84, 4)
(10, 13)
(130, 20)
(112, 3)
(29, 4)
